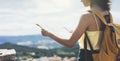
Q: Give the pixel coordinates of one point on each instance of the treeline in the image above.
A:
(36, 53)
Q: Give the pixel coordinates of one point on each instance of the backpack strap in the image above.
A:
(96, 22)
(115, 26)
(102, 26)
(86, 39)
(85, 47)
(102, 17)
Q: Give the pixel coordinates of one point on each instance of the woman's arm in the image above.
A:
(81, 28)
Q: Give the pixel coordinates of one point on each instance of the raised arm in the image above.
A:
(81, 28)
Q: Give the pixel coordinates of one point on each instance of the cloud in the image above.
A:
(18, 17)
(18, 29)
(114, 5)
(62, 4)
(25, 43)
(116, 16)
(42, 47)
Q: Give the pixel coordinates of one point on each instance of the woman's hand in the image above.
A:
(45, 32)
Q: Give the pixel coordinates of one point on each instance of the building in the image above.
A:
(7, 55)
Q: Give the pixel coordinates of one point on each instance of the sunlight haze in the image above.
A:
(18, 17)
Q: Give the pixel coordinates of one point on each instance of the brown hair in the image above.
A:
(104, 4)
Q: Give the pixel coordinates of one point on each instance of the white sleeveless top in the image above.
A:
(94, 39)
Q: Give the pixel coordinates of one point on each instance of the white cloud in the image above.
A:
(45, 12)
(20, 16)
(116, 17)
(42, 47)
(25, 43)
(18, 29)
(62, 4)
(116, 14)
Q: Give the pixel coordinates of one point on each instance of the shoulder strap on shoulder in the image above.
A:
(102, 17)
(95, 19)
(115, 26)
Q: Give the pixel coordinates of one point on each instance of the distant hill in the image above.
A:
(23, 50)
(14, 39)
(30, 43)
(37, 41)
(18, 48)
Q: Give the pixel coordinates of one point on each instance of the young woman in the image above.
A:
(89, 24)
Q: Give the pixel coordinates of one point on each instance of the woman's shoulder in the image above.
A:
(87, 18)
(87, 15)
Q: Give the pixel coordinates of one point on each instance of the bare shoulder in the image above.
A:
(87, 17)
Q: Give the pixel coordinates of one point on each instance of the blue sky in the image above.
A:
(18, 17)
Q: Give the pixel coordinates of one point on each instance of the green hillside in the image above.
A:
(25, 51)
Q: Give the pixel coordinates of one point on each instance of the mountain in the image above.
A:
(25, 50)
(37, 41)
(18, 48)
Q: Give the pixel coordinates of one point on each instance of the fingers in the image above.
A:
(44, 32)
(39, 26)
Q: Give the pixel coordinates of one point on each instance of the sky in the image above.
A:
(18, 17)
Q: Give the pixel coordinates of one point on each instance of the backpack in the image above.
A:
(111, 40)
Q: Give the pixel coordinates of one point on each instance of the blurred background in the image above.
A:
(22, 38)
